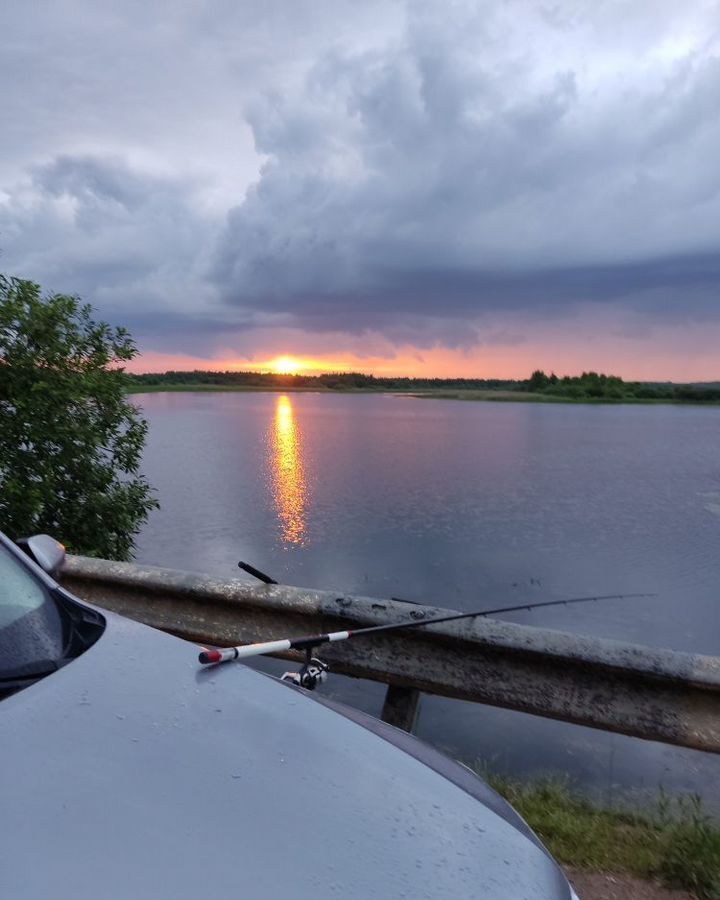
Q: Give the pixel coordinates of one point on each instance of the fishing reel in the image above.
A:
(313, 672)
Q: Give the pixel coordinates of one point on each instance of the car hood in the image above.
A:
(133, 773)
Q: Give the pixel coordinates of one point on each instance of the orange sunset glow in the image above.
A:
(685, 352)
(286, 365)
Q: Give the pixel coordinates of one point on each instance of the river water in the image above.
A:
(462, 504)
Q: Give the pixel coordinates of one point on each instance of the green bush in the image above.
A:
(70, 443)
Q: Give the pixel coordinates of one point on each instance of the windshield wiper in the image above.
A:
(84, 626)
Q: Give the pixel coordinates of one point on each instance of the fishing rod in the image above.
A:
(314, 670)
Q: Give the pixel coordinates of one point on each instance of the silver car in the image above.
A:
(128, 771)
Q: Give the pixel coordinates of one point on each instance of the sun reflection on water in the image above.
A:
(288, 473)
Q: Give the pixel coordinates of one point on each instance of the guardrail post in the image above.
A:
(400, 707)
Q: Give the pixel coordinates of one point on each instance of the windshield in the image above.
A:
(33, 630)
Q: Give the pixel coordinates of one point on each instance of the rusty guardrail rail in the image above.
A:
(650, 693)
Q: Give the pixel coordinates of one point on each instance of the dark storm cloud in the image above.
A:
(121, 238)
(412, 169)
(448, 175)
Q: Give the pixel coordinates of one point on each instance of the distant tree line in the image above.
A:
(596, 386)
(588, 386)
(334, 381)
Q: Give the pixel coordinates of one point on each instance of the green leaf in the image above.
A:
(70, 442)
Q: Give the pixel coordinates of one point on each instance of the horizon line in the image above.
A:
(348, 373)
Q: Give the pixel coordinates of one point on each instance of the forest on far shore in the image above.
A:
(588, 386)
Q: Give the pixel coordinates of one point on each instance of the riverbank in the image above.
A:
(530, 397)
(236, 388)
(490, 396)
(674, 846)
(590, 387)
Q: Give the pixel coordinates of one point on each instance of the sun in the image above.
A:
(285, 365)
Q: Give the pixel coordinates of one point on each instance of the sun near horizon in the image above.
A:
(285, 365)
(501, 362)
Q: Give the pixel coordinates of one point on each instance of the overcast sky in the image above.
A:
(478, 187)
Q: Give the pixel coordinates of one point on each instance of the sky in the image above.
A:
(431, 188)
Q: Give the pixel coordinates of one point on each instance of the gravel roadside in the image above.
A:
(598, 886)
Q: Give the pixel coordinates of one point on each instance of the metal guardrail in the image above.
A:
(650, 693)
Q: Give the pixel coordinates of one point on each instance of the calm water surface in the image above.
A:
(462, 504)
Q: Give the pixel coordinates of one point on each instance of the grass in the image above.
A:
(175, 388)
(497, 396)
(676, 842)
(493, 396)
(253, 388)
(500, 396)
